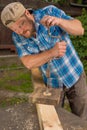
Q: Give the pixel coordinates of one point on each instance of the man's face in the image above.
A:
(24, 26)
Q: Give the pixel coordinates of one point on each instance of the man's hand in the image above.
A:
(50, 21)
(59, 49)
(72, 26)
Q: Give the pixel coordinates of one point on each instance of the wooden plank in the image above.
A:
(48, 117)
(39, 88)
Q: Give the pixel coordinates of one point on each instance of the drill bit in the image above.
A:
(47, 92)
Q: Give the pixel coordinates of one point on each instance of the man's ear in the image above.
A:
(27, 13)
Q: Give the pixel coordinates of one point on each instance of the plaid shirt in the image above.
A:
(67, 68)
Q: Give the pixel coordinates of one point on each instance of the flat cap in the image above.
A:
(11, 13)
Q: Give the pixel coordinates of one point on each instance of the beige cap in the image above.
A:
(11, 13)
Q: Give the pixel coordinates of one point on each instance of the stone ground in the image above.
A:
(19, 117)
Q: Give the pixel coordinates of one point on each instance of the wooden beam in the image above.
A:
(39, 88)
(48, 117)
(9, 46)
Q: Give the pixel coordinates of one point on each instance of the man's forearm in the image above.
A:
(36, 60)
(73, 27)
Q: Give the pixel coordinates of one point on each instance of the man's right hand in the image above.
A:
(59, 49)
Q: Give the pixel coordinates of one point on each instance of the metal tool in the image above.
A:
(47, 92)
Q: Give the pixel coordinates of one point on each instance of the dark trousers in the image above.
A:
(77, 97)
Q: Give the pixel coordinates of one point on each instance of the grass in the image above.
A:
(67, 107)
(16, 80)
(12, 101)
(14, 77)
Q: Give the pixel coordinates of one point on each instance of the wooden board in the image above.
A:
(39, 88)
(48, 117)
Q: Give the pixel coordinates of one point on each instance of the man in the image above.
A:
(42, 40)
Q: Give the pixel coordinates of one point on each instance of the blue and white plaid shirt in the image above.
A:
(69, 67)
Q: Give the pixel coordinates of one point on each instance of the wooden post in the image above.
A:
(48, 117)
(39, 88)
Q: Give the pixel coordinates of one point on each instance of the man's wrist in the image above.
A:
(52, 53)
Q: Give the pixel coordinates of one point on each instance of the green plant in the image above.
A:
(16, 80)
(56, 1)
(80, 42)
(12, 101)
(79, 1)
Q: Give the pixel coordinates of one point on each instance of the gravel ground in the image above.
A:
(19, 117)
